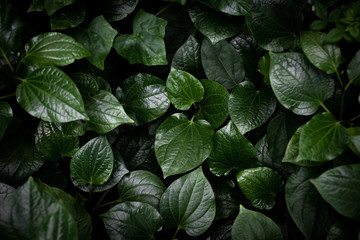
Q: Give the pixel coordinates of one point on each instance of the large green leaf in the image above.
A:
(6, 115)
(181, 145)
(311, 214)
(297, 84)
(53, 48)
(254, 225)
(183, 89)
(232, 7)
(231, 150)
(274, 24)
(260, 186)
(250, 108)
(353, 71)
(115, 10)
(213, 24)
(340, 188)
(49, 94)
(143, 97)
(146, 44)
(68, 17)
(132, 220)
(323, 138)
(326, 57)
(93, 163)
(222, 63)
(189, 203)
(105, 112)
(141, 186)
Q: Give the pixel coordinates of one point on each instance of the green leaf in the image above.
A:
(146, 44)
(354, 137)
(232, 7)
(93, 163)
(260, 185)
(181, 145)
(322, 139)
(326, 57)
(53, 49)
(318, 24)
(52, 6)
(116, 10)
(254, 225)
(214, 106)
(353, 71)
(231, 150)
(222, 63)
(214, 25)
(5, 190)
(264, 68)
(36, 6)
(311, 214)
(274, 24)
(143, 97)
(6, 114)
(183, 89)
(75, 128)
(86, 83)
(297, 84)
(68, 17)
(141, 186)
(49, 94)
(132, 220)
(105, 112)
(250, 108)
(335, 35)
(189, 203)
(339, 187)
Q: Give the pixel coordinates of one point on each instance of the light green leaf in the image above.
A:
(353, 71)
(189, 203)
(340, 188)
(250, 108)
(132, 220)
(6, 115)
(297, 84)
(260, 185)
(52, 6)
(182, 145)
(354, 137)
(116, 10)
(53, 48)
(68, 18)
(146, 44)
(231, 150)
(183, 89)
(49, 94)
(232, 7)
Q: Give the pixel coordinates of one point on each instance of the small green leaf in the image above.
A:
(115, 10)
(340, 188)
(260, 185)
(231, 150)
(183, 89)
(254, 225)
(250, 108)
(49, 94)
(68, 17)
(232, 7)
(189, 203)
(53, 49)
(52, 6)
(297, 84)
(182, 145)
(353, 71)
(6, 115)
(335, 35)
(318, 24)
(93, 163)
(36, 6)
(264, 68)
(132, 220)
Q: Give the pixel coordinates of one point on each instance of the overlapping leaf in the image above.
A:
(115, 10)
(353, 71)
(68, 17)
(232, 7)
(6, 115)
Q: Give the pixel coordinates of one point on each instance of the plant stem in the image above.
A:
(102, 198)
(7, 60)
(109, 203)
(354, 118)
(7, 96)
(338, 76)
(176, 232)
(348, 85)
(164, 9)
(324, 107)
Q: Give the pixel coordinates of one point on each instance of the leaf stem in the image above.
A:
(338, 76)
(7, 60)
(108, 203)
(348, 85)
(324, 107)
(19, 64)
(176, 232)
(7, 96)
(354, 118)
(102, 198)
(164, 9)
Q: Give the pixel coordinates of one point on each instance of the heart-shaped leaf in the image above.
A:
(189, 203)
(183, 89)
(260, 185)
(232, 7)
(115, 10)
(69, 17)
(231, 150)
(181, 145)
(297, 84)
(250, 108)
(353, 71)
(222, 63)
(6, 115)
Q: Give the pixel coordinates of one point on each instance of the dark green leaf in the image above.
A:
(181, 145)
(354, 137)
(6, 115)
(232, 7)
(275, 23)
(103, 84)
(53, 49)
(36, 6)
(146, 44)
(5, 190)
(49, 94)
(335, 35)
(85, 82)
(68, 17)
(353, 71)
(343, 229)
(116, 10)
(340, 188)
(182, 2)
(183, 89)
(250, 108)
(222, 63)
(231, 150)
(189, 203)
(75, 128)
(143, 97)
(141, 186)
(297, 84)
(318, 24)
(93, 163)
(105, 112)
(260, 185)
(264, 68)
(52, 6)
(132, 220)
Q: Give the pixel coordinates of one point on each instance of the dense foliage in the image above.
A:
(198, 119)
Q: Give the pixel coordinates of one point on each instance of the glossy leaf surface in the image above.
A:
(68, 18)
(6, 115)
